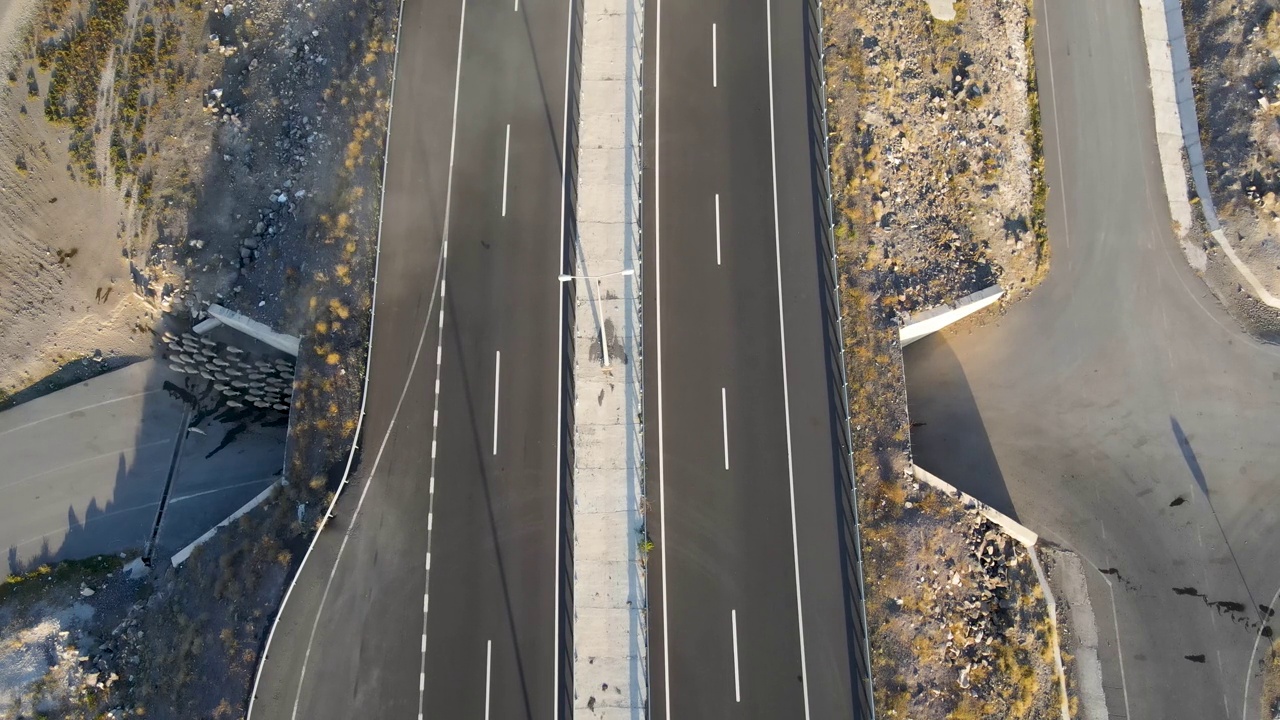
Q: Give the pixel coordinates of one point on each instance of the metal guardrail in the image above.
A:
(568, 260)
(635, 33)
(816, 82)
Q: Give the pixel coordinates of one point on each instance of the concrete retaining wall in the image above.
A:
(931, 321)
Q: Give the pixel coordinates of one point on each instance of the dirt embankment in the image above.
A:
(226, 152)
(1235, 60)
(937, 177)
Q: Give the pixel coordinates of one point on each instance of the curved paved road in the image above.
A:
(1119, 411)
(432, 593)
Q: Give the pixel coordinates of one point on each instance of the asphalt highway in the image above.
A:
(750, 615)
(432, 593)
(1119, 411)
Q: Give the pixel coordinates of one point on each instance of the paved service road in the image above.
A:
(742, 435)
(85, 468)
(1118, 410)
(471, 508)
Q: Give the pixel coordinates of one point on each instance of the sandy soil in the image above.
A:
(65, 288)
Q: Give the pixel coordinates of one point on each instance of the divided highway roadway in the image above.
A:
(750, 614)
(432, 593)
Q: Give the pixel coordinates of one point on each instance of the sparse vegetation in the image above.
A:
(908, 205)
(1271, 682)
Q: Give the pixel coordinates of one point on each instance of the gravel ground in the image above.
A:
(53, 624)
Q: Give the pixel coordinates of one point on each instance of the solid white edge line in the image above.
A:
(715, 73)
(506, 163)
(497, 372)
(1057, 136)
(488, 670)
(724, 419)
(782, 332)
(717, 228)
(737, 685)
(364, 394)
(560, 333)
(1244, 712)
(657, 298)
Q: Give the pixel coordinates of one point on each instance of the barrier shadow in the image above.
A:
(948, 436)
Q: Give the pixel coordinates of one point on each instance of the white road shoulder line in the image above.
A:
(782, 332)
(737, 685)
(506, 162)
(657, 299)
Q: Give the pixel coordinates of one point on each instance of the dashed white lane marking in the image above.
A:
(488, 669)
(715, 73)
(724, 419)
(435, 413)
(782, 333)
(717, 228)
(497, 372)
(506, 160)
(346, 536)
(737, 685)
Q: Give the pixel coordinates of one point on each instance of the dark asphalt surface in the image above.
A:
(1119, 411)
(729, 533)
(492, 539)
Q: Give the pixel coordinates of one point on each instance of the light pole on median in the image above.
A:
(604, 341)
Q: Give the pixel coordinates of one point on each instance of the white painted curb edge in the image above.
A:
(182, 555)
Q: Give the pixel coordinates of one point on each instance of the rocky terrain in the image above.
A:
(960, 599)
(55, 626)
(937, 176)
(936, 162)
(1235, 60)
